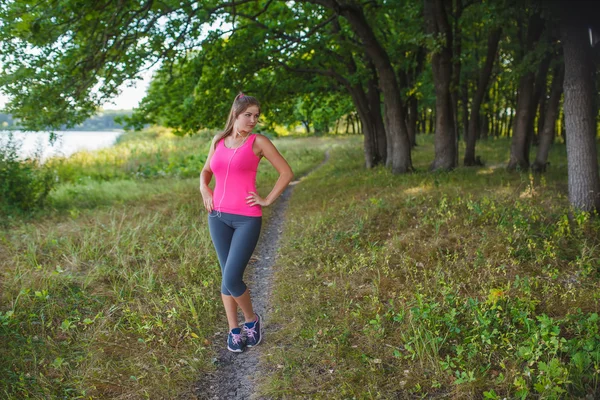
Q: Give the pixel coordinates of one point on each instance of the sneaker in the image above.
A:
(253, 332)
(235, 341)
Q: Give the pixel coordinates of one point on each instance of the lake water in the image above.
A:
(67, 142)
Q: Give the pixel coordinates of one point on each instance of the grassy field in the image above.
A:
(476, 283)
(472, 284)
(113, 291)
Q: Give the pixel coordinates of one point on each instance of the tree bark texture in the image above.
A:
(374, 99)
(445, 135)
(482, 87)
(580, 116)
(546, 136)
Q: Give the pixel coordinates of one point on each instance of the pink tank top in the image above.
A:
(235, 176)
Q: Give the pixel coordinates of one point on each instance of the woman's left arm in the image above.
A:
(270, 152)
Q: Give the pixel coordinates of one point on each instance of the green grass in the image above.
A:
(478, 283)
(113, 291)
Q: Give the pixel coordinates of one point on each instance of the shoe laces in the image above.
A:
(236, 338)
(250, 332)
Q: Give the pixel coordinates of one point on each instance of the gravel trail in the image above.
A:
(233, 378)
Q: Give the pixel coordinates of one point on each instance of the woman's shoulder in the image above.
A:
(216, 140)
(261, 139)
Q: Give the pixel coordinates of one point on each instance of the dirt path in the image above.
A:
(235, 371)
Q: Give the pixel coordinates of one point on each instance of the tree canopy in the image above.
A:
(464, 69)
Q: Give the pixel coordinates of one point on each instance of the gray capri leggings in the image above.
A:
(234, 237)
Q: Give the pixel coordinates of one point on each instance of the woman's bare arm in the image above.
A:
(205, 177)
(270, 152)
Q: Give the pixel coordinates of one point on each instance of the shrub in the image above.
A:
(24, 184)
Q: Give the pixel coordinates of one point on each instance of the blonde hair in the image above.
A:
(240, 104)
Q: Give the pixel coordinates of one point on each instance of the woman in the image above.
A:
(235, 210)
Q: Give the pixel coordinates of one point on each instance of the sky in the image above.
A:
(129, 98)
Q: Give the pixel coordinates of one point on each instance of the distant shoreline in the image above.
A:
(64, 130)
(64, 143)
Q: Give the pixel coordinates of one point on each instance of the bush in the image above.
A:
(24, 184)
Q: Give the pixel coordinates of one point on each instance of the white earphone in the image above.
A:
(227, 174)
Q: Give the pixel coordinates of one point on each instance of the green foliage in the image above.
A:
(24, 184)
(62, 59)
(476, 283)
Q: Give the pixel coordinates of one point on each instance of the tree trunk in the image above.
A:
(482, 87)
(306, 126)
(394, 113)
(519, 150)
(431, 122)
(374, 101)
(445, 134)
(412, 120)
(464, 98)
(580, 115)
(546, 136)
(413, 109)
(455, 54)
(362, 106)
(539, 92)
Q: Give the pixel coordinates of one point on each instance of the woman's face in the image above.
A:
(247, 120)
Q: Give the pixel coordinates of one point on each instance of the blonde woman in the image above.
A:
(235, 210)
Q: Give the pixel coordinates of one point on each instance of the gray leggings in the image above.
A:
(234, 237)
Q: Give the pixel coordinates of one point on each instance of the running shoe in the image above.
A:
(235, 340)
(253, 332)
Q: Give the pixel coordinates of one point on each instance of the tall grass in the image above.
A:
(114, 291)
(477, 283)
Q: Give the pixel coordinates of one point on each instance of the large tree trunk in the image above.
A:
(394, 113)
(546, 136)
(445, 134)
(519, 150)
(482, 87)
(368, 106)
(580, 114)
